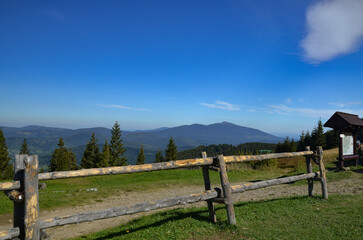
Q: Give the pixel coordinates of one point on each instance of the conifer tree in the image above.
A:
(91, 156)
(6, 169)
(300, 145)
(117, 148)
(72, 160)
(60, 158)
(105, 156)
(307, 140)
(317, 136)
(141, 156)
(171, 151)
(24, 148)
(159, 157)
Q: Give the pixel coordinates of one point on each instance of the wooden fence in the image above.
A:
(23, 191)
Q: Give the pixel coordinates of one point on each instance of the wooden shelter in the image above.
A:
(347, 125)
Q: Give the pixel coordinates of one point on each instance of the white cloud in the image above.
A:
(309, 112)
(222, 105)
(334, 28)
(347, 104)
(123, 107)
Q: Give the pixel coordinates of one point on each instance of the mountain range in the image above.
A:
(43, 140)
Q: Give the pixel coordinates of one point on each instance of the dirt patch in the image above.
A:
(346, 186)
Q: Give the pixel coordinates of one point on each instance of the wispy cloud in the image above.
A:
(53, 13)
(123, 107)
(222, 105)
(334, 28)
(309, 112)
(347, 104)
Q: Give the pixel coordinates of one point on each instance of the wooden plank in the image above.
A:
(249, 158)
(31, 198)
(127, 169)
(9, 234)
(324, 187)
(18, 216)
(207, 186)
(309, 169)
(226, 188)
(126, 210)
(272, 182)
(6, 186)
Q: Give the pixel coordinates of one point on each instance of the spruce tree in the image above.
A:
(141, 157)
(300, 145)
(317, 136)
(159, 157)
(105, 156)
(117, 148)
(171, 151)
(24, 148)
(72, 160)
(6, 169)
(307, 140)
(91, 156)
(60, 158)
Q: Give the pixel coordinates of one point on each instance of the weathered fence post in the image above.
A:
(18, 217)
(309, 168)
(31, 198)
(227, 191)
(207, 186)
(324, 187)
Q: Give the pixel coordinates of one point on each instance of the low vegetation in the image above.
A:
(288, 218)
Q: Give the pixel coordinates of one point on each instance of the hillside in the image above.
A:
(43, 140)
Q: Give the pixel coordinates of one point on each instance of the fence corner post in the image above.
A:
(324, 187)
(309, 169)
(227, 192)
(31, 198)
(207, 186)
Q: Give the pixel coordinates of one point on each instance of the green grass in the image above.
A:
(288, 218)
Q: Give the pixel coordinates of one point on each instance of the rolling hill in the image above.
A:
(43, 140)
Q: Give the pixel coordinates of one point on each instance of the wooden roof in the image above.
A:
(344, 121)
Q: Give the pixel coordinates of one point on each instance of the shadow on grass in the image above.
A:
(199, 215)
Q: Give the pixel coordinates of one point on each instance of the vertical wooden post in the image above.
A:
(226, 188)
(341, 162)
(309, 168)
(207, 186)
(18, 217)
(31, 198)
(324, 187)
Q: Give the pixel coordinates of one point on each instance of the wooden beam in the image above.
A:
(18, 216)
(207, 186)
(127, 169)
(126, 210)
(249, 158)
(324, 187)
(226, 188)
(9, 234)
(6, 186)
(272, 182)
(31, 198)
(309, 169)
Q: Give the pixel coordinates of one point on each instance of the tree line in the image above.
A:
(317, 137)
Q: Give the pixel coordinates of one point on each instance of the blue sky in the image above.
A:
(277, 66)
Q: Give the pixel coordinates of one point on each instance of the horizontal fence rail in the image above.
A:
(164, 165)
(6, 186)
(272, 182)
(10, 233)
(250, 158)
(126, 210)
(128, 169)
